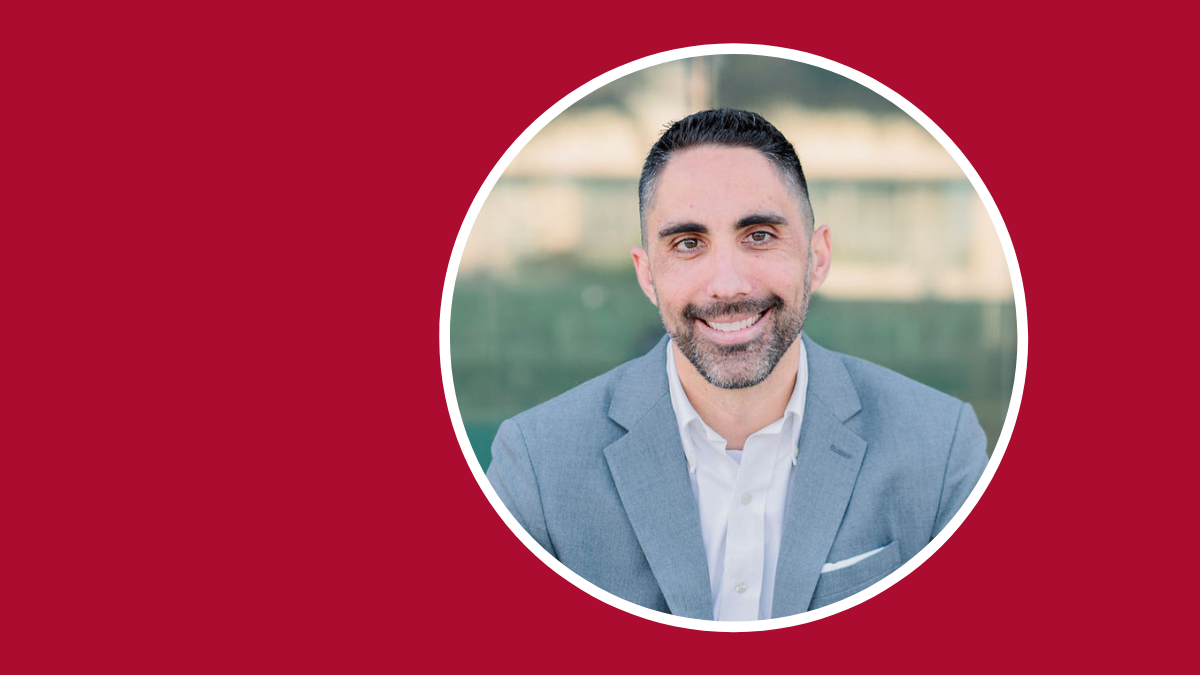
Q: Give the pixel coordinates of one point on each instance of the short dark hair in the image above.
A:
(731, 128)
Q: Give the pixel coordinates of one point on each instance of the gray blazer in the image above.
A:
(599, 478)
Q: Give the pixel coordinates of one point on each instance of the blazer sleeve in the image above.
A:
(964, 466)
(511, 475)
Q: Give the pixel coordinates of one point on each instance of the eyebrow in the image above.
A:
(760, 219)
(672, 229)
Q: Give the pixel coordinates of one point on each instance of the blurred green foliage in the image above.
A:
(518, 340)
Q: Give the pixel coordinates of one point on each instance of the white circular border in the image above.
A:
(1018, 296)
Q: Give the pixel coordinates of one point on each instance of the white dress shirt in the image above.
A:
(741, 495)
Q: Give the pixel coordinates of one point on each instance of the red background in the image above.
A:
(225, 443)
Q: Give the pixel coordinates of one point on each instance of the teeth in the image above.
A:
(730, 327)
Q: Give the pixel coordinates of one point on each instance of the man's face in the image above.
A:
(727, 262)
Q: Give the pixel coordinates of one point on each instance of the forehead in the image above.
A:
(714, 184)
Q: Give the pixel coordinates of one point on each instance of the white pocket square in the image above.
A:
(833, 566)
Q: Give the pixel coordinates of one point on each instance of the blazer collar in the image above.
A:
(643, 383)
(829, 381)
(830, 456)
(650, 473)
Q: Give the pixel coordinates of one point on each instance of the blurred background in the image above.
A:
(546, 296)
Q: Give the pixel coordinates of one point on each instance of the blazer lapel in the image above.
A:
(650, 472)
(823, 481)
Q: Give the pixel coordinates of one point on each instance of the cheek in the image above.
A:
(670, 267)
(785, 280)
(676, 282)
(784, 277)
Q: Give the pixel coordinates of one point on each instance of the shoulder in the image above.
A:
(889, 405)
(582, 406)
(585, 413)
(882, 389)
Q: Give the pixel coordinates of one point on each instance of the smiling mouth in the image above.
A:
(735, 326)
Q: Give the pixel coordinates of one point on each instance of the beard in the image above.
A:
(748, 363)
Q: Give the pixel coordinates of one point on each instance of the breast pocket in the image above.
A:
(846, 581)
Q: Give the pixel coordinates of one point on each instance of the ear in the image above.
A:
(821, 248)
(641, 265)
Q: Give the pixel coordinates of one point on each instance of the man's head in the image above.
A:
(729, 253)
(730, 128)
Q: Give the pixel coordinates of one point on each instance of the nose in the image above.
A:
(728, 277)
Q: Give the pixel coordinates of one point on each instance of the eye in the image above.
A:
(760, 237)
(687, 244)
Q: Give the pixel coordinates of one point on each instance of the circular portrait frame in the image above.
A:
(753, 50)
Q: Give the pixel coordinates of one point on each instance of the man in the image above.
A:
(736, 472)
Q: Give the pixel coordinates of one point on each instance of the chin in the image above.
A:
(737, 366)
(728, 376)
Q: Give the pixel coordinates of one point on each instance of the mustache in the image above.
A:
(714, 310)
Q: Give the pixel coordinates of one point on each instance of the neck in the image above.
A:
(737, 413)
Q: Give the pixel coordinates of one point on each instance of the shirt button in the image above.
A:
(746, 498)
(740, 588)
